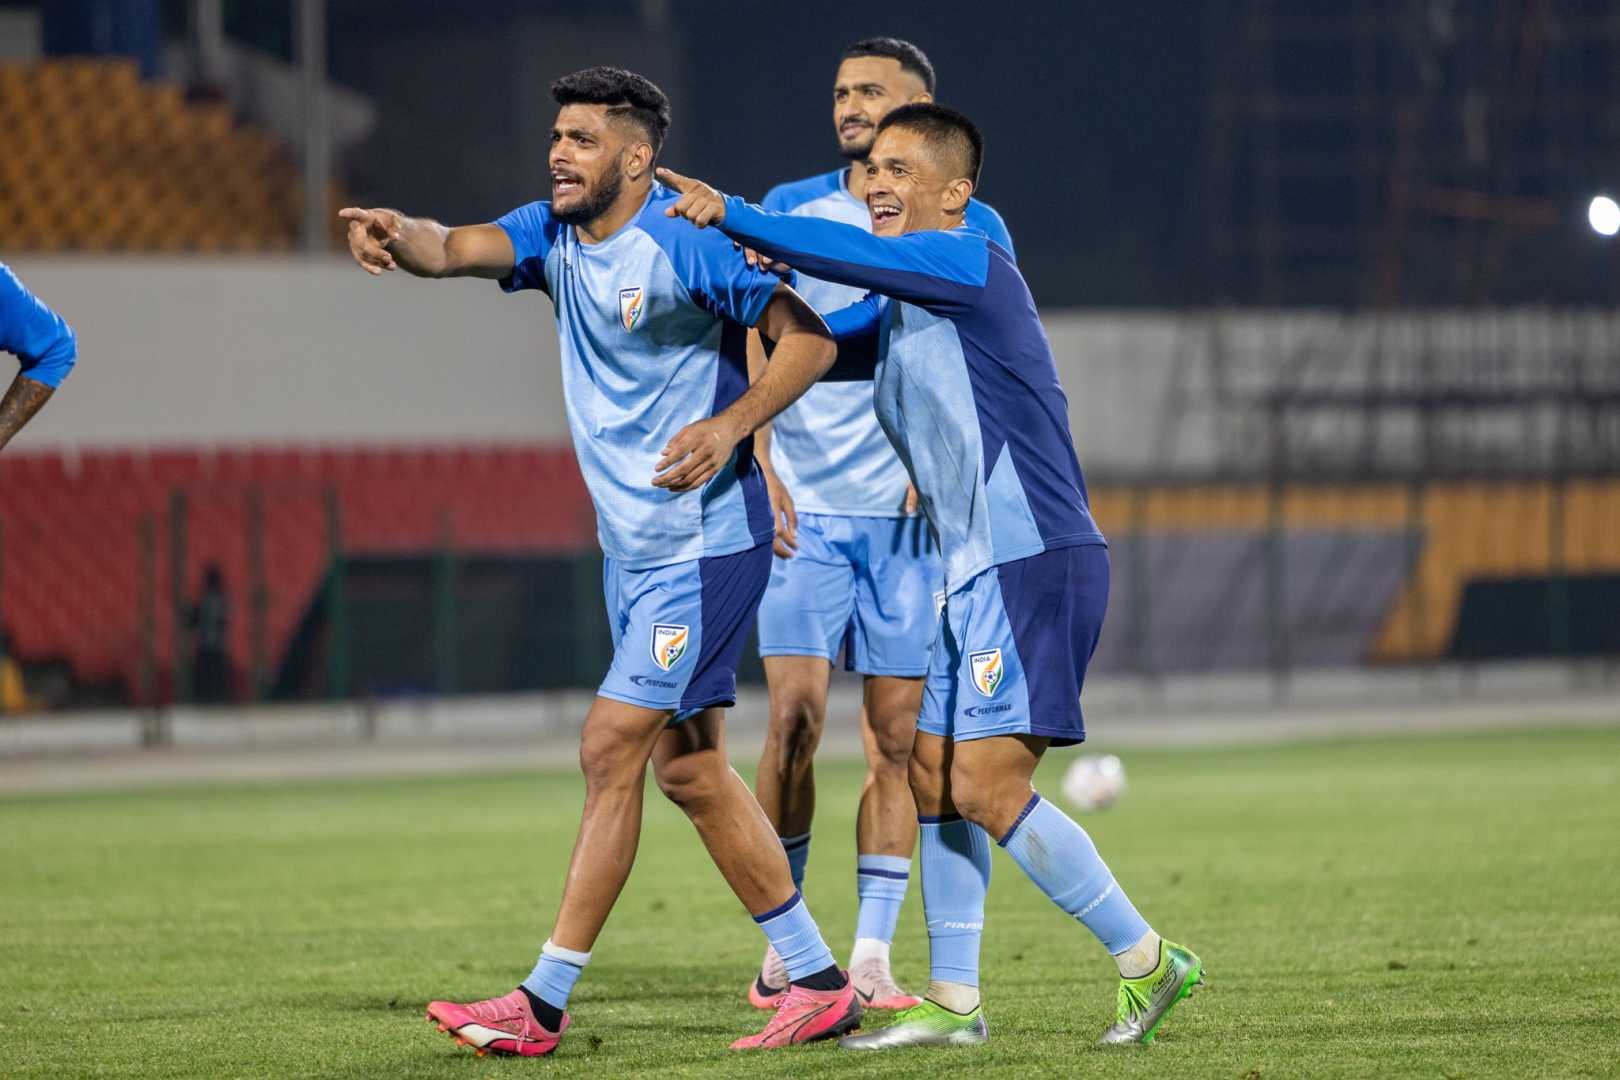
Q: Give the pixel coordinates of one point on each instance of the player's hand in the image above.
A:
(765, 262)
(370, 233)
(699, 203)
(911, 499)
(695, 454)
(783, 515)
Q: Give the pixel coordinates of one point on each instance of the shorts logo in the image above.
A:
(630, 307)
(989, 710)
(668, 644)
(987, 671)
(648, 680)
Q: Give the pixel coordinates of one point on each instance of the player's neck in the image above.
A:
(631, 199)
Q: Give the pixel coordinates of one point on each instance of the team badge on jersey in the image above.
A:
(669, 642)
(630, 307)
(987, 671)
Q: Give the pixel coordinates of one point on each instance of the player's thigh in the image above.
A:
(689, 758)
(809, 597)
(889, 716)
(617, 739)
(898, 584)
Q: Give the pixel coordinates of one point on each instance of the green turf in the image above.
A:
(1442, 906)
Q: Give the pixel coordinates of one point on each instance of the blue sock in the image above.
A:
(1059, 857)
(955, 860)
(798, 853)
(794, 935)
(554, 976)
(880, 881)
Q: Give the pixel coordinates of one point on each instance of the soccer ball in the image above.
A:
(1094, 782)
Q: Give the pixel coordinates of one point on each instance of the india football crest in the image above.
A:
(987, 671)
(630, 307)
(669, 641)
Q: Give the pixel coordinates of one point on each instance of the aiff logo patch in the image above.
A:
(669, 641)
(987, 671)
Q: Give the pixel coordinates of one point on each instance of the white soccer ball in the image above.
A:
(1094, 782)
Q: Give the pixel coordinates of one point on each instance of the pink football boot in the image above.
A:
(770, 986)
(807, 1015)
(503, 1025)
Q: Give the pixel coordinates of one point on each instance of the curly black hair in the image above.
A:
(625, 93)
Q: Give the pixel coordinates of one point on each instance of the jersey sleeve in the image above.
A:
(532, 230)
(983, 217)
(39, 337)
(857, 320)
(941, 270)
(716, 275)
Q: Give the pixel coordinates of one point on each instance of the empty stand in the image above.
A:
(94, 159)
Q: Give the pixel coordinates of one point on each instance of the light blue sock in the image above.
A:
(798, 853)
(880, 881)
(554, 976)
(1059, 857)
(955, 861)
(795, 937)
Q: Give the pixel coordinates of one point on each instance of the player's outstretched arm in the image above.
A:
(381, 240)
(930, 268)
(45, 345)
(804, 351)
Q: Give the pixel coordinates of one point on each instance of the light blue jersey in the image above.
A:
(653, 323)
(827, 447)
(966, 387)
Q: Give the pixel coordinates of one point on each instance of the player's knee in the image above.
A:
(608, 762)
(982, 795)
(691, 779)
(796, 721)
(892, 738)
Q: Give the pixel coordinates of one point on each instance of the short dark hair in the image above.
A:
(911, 58)
(945, 124)
(625, 93)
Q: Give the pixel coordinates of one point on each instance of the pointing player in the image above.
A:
(652, 317)
(967, 391)
(43, 343)
(857, 567)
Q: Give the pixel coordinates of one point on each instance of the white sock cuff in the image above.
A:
(567, 956)
(867, 948)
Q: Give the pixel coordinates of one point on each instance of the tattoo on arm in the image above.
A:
(22, 401)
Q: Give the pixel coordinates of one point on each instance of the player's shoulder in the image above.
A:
(983, 217)
(785, 198)
(675, 235)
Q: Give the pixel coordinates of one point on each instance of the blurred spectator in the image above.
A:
(210, 624)
(13, 694)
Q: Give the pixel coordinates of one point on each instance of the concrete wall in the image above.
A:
(299, 350)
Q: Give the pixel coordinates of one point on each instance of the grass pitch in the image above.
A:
(1444, 906)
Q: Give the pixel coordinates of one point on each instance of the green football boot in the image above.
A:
(927, 1024)
(1144, 1002)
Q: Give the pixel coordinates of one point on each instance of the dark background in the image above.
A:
(1385, 152)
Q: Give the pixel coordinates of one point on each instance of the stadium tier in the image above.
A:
(94, 159)
(88, 570)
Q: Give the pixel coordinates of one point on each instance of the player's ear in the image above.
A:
(957, 194)
(638, 160)
(924, 98)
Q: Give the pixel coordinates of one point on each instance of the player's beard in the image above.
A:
(594, 204)
(861, 150)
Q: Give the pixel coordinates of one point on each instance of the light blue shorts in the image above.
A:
(680, 629)
(867, 585)
(1013, 648)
